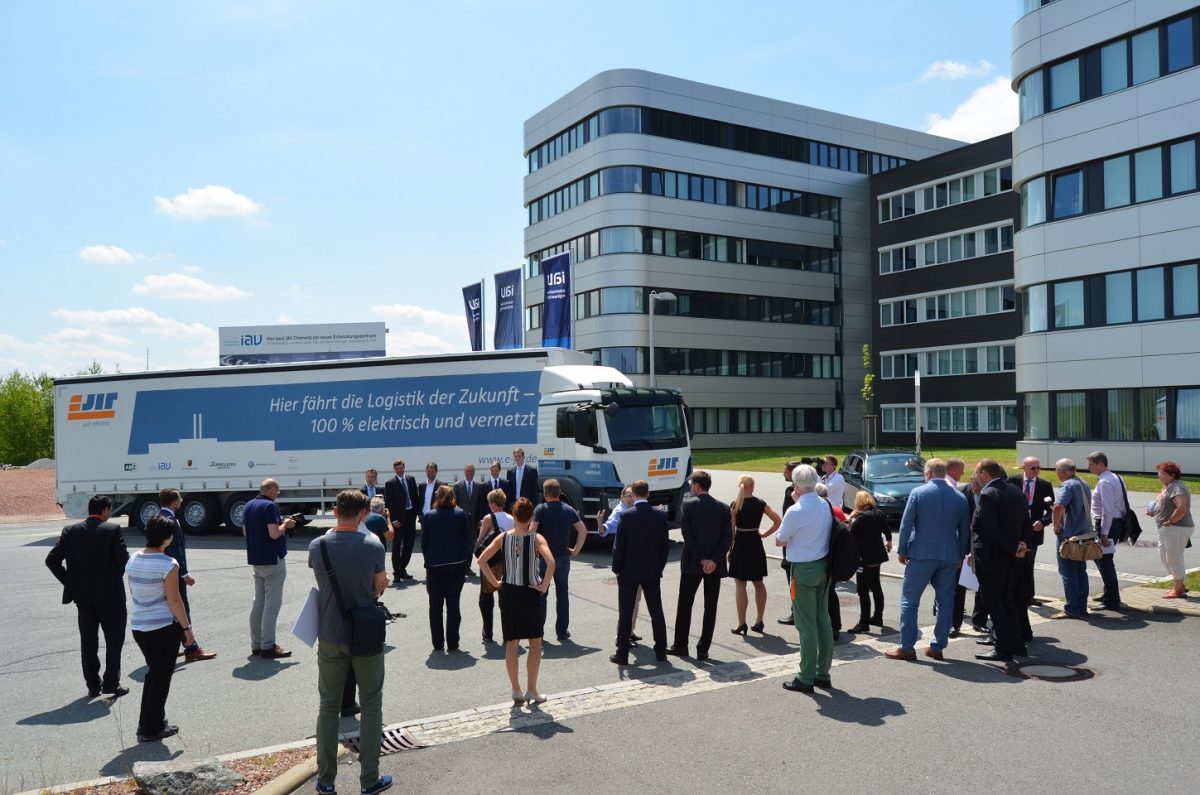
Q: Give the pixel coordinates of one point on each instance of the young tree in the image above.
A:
(26, 418)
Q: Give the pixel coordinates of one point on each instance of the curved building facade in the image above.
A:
(753, 212)
(1107, 251)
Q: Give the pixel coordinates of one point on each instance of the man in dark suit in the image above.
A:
(371, 489)
(707, 534)
(999, 539)
(496, 481)
(524, 479)
(639, 557)
(1035, 490)
(94, 555)
(400, 496)
(471, 497)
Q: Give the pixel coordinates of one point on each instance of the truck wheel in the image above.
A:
(198, 514)
(235, 505)
(145, 509)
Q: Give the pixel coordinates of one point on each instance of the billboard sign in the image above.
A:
(315, 342)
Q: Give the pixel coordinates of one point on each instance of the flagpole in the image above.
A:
(482, 315)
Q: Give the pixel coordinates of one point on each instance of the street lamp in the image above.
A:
(655, 297)
(917, 407)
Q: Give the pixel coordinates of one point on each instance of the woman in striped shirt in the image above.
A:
(521, 596)
(158, 619)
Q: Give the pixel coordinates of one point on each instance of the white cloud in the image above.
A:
(180, 286)
(990, 110)
(419, 330)
(207, 202)
(191, 269)
(106, 255)
(956, 70)
(135, 317)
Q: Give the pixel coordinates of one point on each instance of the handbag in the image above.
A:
(843, 559)
(366, 625)
(1127, 527)
(1082, 547)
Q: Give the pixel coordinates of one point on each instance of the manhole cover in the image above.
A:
(1052, 672)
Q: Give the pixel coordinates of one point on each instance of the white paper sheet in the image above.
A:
(308, 622)
(967, 578)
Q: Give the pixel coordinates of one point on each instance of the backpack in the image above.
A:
(843, 559)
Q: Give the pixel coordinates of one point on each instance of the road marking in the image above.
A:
(1095, 574)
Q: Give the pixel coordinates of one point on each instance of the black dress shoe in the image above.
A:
(116, 692)
(861, 626)
(789, 621)
(994, 656)
(979, 629)
(796, 686)
(660, 656)
(675, 651)
(955, 632)
(618, 659)
(634, 638)
(93, 692)
(986, 641)
(702, 656)
(822, 683)
(167, 730)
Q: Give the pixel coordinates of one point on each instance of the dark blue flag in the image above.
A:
(473, 303)
(508, 311)
(556, 312)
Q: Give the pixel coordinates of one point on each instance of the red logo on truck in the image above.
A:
(96, 406)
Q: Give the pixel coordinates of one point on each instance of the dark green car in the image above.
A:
(888, 475)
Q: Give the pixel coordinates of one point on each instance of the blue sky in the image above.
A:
(167, 168)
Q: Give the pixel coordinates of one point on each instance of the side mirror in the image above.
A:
(585, 427)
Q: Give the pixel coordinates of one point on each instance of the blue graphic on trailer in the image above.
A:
(477, 410)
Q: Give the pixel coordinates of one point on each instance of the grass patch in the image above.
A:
(771, 459)
(1191, 581)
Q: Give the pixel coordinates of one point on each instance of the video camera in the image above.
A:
(298, 521)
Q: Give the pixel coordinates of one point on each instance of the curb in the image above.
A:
(295, 778)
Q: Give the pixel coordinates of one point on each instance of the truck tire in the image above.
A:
(143, 511)
(231, 511)
(199, 514)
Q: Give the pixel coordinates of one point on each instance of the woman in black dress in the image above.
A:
(747, 558)
(521, 592)
(869, 528)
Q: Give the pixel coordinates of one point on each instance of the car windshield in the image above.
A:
(647, 427)
(895, 466)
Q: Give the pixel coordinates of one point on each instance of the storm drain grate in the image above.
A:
(1051, 672)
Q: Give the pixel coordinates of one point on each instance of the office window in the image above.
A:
(1145, 56)
(1151, 304)
(1152, 414)
(1029, 100)
(1037, 415)
(968, 187)
(1070, 415)
(1187, 413)
(1147, 169)
(1180, 50)
(991, 241)
(1118, 298)
(1034, 309)
(1068, 194)
(1064, 84)
(1184, 292)
(1033, 202)
(1183, 166)
(1121, 415)
(1116, 182)
(940, 193)
(1114, 69)
(910, 203)
(991, 181)
(1068, 304)
(1006, 238)
(927, 199)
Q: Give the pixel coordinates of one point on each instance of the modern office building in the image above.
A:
(1104, 160)
(754, 214)
(942, 234)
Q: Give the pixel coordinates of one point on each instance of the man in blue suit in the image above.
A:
(639, 557)
(934, 537)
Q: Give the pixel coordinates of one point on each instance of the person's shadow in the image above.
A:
(454, 661)
(843, 707)
(122, 763)
(82, 710)
(256, 670)
(566, 649)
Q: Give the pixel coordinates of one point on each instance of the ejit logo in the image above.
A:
(660, 467)
(547, 452)
(92, 407)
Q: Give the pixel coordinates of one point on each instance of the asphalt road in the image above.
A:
(52, 734)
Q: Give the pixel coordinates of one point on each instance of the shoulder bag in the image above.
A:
(844, 557)
(1082, 547)
(1127, 527)
(366, 625)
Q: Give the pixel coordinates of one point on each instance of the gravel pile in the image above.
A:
(41, 463)
(28, 495)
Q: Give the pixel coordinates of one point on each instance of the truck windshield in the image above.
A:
(647, 427)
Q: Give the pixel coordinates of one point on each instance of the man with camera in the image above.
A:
(266, 535)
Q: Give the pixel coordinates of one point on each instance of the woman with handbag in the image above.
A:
(747, 558)
(869, 528)
(1172, 512)
(446, 547)
(493, 525)
(521, 593)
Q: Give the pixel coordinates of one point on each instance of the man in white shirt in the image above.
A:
(1108, 503)
(833, 481)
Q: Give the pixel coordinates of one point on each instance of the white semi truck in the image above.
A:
(316, 428)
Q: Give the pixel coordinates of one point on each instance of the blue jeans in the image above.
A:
(562, 607)
(1075, 583)
(943, 574)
